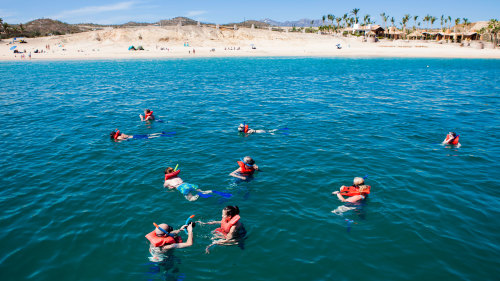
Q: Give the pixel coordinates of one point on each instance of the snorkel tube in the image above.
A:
(187, 221)
(246, 164)
(176, 166)
(163, 230)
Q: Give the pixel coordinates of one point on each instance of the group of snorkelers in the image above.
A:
(164, 238)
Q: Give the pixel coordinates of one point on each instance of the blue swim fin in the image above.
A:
(203, 195)
(223, 194)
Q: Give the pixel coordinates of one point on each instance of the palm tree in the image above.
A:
(433, 19)
(355, 12)
(442, 20)
(323, 18)
(6, 28)
(344, 17)
(494, 29)
(466, 23)
(366, 20)
(415, 22)
(338, 20)
(449, 20)
(404, 21)
(382, 15)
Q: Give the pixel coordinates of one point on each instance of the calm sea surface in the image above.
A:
(76, 206)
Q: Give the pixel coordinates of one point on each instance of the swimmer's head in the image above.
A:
(358, 181)
(147, 111)
(248, 160)
(241, 128)
(166, 227)
(112, 134)
(169, 170)
(453, 134)
(230, 211)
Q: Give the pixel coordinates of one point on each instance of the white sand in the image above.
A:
(113, 44)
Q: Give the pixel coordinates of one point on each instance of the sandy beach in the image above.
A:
(206, 41)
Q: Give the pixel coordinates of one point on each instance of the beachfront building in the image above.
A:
(366, 30)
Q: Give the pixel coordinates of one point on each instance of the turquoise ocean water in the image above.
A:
(76, 206)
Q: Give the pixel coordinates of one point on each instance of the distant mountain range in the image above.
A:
(297, 23)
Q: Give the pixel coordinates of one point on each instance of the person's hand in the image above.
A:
(190, 227)
(207, 249)
(183, 227)
(200, 222)
(335, 192)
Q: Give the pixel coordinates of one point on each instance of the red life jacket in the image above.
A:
(454, 142)
(117, 134)
(146, 115)
(245, 170)
(171, 175)
(159, 241)
(226, 225)
(246, 129)
(353, 190)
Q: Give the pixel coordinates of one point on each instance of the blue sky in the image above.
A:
(223, 11)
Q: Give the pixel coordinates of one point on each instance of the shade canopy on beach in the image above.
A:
(13, 47)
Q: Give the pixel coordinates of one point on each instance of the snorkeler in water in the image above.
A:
(452, 139)
(355, 194)
(148, 115)
(164, 238)
(243, 128)
(231, 230)
(173, 181)
(116, 135)
(246, 169)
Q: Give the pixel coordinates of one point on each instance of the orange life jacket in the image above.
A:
(455, 140)
(159, 241)
(146, 115)
(171, 175)
(353, 190)
(117, 134)
(246, 129)
(226, 225)
(245, 170)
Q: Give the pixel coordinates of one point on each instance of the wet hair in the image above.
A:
(148, 111)
(167, 229)
(358, 181)
(248, 160)
(232, 211)
(112, 134)
(241, 128)
(453, 134)
(169, 170)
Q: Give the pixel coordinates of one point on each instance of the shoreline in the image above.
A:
(170, 43)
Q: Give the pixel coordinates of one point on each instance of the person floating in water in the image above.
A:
(116, 135)
(164, 238)
(173, 181)
(452, 139)
(246, 169)
(355, 193)
(243, 128)
(231, 230)
(148, 115)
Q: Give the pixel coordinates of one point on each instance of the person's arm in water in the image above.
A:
(228, 239)
(351, 199)
(235, 174)
(186, 244)
(209, 222)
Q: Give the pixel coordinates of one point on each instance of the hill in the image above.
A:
(43, 27)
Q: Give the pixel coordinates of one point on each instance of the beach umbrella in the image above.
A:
(13, 47)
